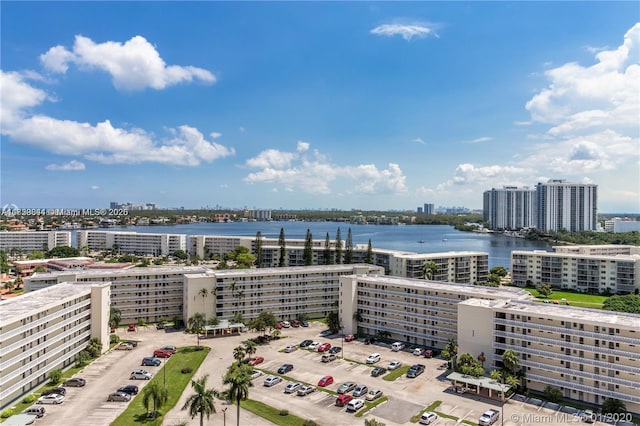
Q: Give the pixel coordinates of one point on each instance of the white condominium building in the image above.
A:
(510, 208)
(604, 249)
(44, 330)
(463, 267)
(587, 273)
(590, 355)
(206, 246)
(569, 206)
(28, 241)
(132, 242)
(419, 312)
(618, 224)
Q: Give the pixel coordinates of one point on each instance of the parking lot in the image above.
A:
(88, 406)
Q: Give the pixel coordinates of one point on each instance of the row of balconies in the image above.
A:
(545, 380)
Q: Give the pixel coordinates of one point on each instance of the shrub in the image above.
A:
(187, 370)
(114, 338)
(7, 413)
(55, 376)
(28, 399)
(309, 423)
(284, 412)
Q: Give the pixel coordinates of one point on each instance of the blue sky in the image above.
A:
(382, 105)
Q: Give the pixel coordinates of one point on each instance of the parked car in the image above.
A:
(151, 361)
(343, 400)
(286, 324)
(428, 418)
(306, 390)
(428, 353)
(328, 357)
(418, 351)
(54, 398)
(123, 347)
(355, 404)
(170, 348)
(290, 348)
(360, 390)
(313, 346)
(326, 333)
(295, 323)
(305, 343)
(119, 396)
(279, 326)
(161, 353)
(304, 323)
(35, 410)
(373, 358)
(160, 326)
(587, 416)
(130, 389)
(324, 347)
(59, 391)
(76, 382)
(257, 360)
(285, 368)
(131, 327)
(349, 338)
(292, 387)
(378, 371)
(256, 374)
(373, 394)
(132, 343)
(397, 346)
(335, 350)
(489, 417)
(272, 380)
(415, 371)
(394, 364)
(325, 381)
(140, 375)
(346, 387)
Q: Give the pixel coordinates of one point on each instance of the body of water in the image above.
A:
(414, 238)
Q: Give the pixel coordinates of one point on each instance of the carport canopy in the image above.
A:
(223, 329)
(480, 383)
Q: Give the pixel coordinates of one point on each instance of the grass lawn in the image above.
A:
(272, 414)
(394, 374)
(176, 382)
(431, 407)
(575, 299)
(368, 406)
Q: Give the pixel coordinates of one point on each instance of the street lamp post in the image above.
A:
(224, 416)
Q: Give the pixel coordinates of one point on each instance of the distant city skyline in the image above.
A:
(316, 105)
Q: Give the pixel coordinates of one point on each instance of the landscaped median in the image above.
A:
(433, 408)
(274, 415)
(176, 373)
(368, 406)
(394, 374)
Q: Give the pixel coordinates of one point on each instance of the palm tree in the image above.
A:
(429, 270)
(202, 401)
(115, 316)
(239, 383)
(156, 394)
(250, 347)
(482, 358)
(204, 293)
(510, 360)
(238, 353)
(196, 324)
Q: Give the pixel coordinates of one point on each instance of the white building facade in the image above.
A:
(28, 241)
(132, 242)
(510, 208)
(567, 206)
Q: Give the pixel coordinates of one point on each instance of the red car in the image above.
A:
(325, 381)
(324, 347)
(349, 338)
(343, 400)
(132, 327)
(161, 353)
(279, 326)
(257, 360)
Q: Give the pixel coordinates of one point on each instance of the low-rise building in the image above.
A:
(25, 242)
(139, 243)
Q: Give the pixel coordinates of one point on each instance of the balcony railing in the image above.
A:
(584, 388)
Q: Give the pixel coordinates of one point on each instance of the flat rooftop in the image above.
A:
(291, 270)
(130, 271)
(18, 307)
(564, 312)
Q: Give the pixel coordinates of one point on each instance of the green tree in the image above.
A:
(36, 254)
(4, 263)
(180, 254)
(154, 394)
(510, 361)
(82, 358)
(18, 282)
(39, 268)
(55, 376)
(373, 422)
(496, 375)
(115, 316)
(348, 252)
(239, 383)
(338, 247)
(63, 251)
(203, 292)
(482, 358)
(275, 333)
(258, 250)
(499, 271)
(613, 406)
(196, 323)
(307, 254)
(9, 285)
(328, 257)
(552, 393)
(250, 347)
(369, 256)
(493, 280)
(450, 350)
(333, 322)
(629, 303)
(428, 270)
(512, 381)
(282, 260)
(202, 401)
(239, 353)
(545, 289)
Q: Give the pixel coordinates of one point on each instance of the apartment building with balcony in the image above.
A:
(587, 273)
(419, 312)
(590, 355)
(510, 208)
(45, 330)
(604, 249)
(206, 246)
(28, 241)
(464, 267)
(132, 242)
(565, 205)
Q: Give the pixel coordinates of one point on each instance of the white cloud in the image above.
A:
(94, 187)
(72, 165)
(100, 142)
(523, 123)
(407, 32)
(480, 139)
(133, 65)
(312, 172)
(215, 135)
(419, 140)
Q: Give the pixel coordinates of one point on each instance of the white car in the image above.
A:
(290, 348)
(418, 351)
(428, 418)
(306, 390)
(272, 380)
(140, 375)
(373, 358)
(53, 398)
(355, 404)
(313, 346)
(292, 387)
(256, 374)
(393, 365)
